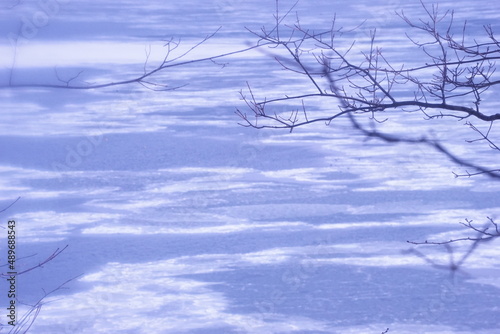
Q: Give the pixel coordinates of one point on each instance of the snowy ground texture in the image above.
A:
(178, 220)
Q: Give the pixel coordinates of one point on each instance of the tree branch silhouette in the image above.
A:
(146, 79)
(451, 84)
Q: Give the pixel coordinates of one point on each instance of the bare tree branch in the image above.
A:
(488, 232)
(11, 204)
(146, 78)
(25, 323)
(451, 83)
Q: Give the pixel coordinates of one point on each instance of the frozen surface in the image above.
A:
(180, 221)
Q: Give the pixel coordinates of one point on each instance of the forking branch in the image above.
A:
(452, 83)
(488, 232)
(147, 78)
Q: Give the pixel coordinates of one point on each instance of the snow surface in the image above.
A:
(179, 220)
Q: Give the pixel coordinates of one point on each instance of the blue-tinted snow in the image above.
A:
(181, 221)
